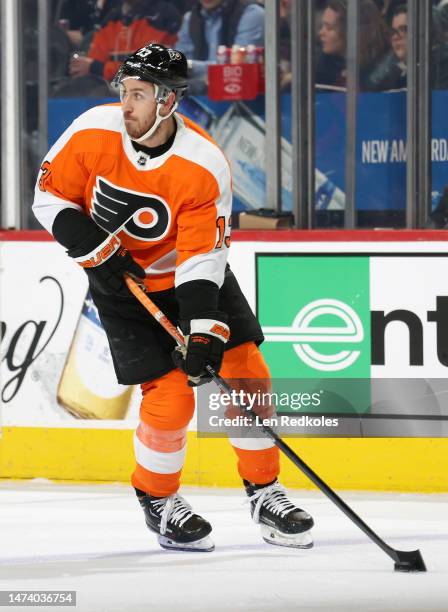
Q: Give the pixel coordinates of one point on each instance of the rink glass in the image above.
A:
(358, 153)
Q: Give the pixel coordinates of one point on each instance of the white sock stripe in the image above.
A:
(155, 461)
(252, 443)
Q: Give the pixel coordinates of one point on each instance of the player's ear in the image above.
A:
(166, 108)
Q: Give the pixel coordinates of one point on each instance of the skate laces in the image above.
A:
(173, 508)
(272, 497)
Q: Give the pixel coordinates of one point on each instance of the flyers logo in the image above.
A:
(142, 216)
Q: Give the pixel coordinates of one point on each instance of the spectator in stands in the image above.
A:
(442, 16)
(373, 43)
(130, 26)
(80, 18)
(331, 64)
(183, 6)
(211, 23)
(285, 44)
(392, 72)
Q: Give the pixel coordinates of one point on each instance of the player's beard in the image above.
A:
(137, 129)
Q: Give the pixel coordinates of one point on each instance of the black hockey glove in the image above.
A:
(105, 261)
(206, 338)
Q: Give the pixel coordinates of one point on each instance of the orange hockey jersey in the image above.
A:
(172, 212)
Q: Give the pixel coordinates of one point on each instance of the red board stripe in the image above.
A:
(280, 236)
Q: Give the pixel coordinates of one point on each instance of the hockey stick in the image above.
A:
(405, 561)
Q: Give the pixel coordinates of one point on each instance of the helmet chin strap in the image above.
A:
(158, 120)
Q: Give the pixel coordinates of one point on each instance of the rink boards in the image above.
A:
(64, 417)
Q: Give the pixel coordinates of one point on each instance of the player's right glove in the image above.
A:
(206, 338)
(105, 261)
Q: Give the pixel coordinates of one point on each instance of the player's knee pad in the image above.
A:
(168, 402)
(245, 361)
(161, 440)
(246, 370)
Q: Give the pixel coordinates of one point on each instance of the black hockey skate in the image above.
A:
(175, 524)
(281, 522)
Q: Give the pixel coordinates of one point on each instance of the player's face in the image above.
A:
(138, 105)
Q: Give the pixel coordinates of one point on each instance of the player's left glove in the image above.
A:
(106, 262)
(206, 338)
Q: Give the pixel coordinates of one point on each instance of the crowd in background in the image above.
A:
(88, 39)
(383, 49)
(101, 33)
(94, 36)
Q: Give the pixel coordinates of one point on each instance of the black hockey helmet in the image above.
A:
(157, 64)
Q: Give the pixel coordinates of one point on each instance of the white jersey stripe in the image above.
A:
(208, 266)
(209, 156)
(46, 206)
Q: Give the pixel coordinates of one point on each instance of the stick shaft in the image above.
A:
(154, 310)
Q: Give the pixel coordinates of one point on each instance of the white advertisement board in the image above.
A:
(56, 368)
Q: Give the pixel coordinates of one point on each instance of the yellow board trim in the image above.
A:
(381, 464)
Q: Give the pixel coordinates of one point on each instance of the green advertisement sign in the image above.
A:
(315, 314)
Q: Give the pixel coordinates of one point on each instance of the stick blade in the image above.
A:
(409, 561)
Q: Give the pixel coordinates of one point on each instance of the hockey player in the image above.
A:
(137, 188)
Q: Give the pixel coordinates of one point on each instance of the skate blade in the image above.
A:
(203, 545)
(291, 540)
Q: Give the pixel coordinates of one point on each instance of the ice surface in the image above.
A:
(92, 539)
